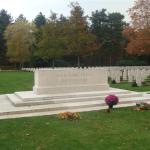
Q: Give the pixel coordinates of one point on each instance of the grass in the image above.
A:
(15, 81)
(127, 86)
(123, 129)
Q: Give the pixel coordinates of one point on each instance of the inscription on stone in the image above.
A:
(70, 80)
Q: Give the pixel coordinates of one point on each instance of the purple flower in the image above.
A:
(111, 100)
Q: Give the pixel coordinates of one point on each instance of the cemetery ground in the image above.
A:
(128, 86)
(12, 81)
(123, 129)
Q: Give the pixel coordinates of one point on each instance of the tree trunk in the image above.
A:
(20, 66)
(78, 61)
(53, 63)
(16, 65)
(110, 60)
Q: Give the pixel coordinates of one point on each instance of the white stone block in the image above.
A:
(57, 81)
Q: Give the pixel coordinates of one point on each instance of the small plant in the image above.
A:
(134, 84)
(111, 100)
(145, 83)
(121, 78)
(69, 116)
(142, 106)
(113, 82)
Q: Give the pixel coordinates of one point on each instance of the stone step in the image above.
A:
(30, 96)
(9, 115)
(18, 102)
(70, 106)
(14, 99)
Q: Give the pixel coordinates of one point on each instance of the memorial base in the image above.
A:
(70, 89)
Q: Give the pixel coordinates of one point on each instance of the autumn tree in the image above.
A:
(140, 14)
(81, 41)
(138, 34)
(19, 37)
(108, 28)
(52, 44)
(138, 41)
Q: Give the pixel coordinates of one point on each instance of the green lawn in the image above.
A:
(127, 86)
(15, 81)
(123, 129)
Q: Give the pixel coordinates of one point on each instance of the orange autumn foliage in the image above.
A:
(69, 116)
(140, 14)
(138, 34)
(138, 41)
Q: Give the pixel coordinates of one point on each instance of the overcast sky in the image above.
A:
(30, 8)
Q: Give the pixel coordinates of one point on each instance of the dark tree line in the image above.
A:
(5, 20)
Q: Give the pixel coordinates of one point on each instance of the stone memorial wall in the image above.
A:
(70, 80)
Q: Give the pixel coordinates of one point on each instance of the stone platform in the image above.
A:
(61, 90)
(26, 104)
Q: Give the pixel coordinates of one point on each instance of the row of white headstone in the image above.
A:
(108, 68)
(130, 73)
(62, 68)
